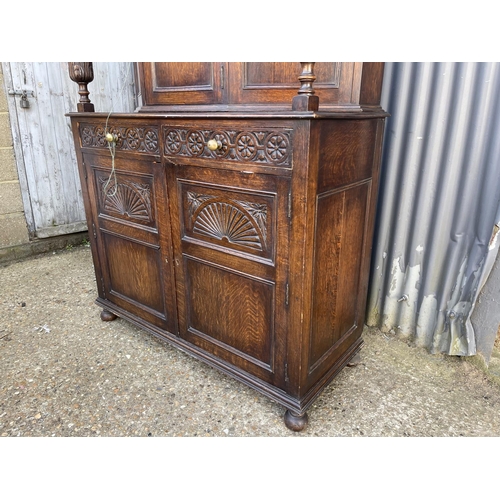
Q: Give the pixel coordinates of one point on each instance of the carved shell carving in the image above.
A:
(237, 222)
(127, 198)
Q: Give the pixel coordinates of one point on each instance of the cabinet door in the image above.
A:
(178, 83)
(277, 83)
(132, 236)
(230, 236)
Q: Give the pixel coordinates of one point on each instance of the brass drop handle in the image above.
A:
(214, 145)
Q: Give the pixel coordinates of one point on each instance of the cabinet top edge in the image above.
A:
(311, 115)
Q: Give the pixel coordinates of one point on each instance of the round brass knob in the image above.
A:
(214, 145)
(111, 137)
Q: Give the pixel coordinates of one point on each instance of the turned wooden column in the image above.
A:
(82, 73)
(306, 100)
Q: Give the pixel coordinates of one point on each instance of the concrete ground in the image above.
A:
(64, 372)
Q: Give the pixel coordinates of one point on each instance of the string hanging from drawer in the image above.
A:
(112, 139)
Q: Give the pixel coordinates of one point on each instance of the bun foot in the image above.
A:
(107, 315)
(355, 360)
(294, 421)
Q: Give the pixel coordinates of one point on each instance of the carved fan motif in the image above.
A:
(129, 198)
(195, 200)
(259, 213)
(225, 221)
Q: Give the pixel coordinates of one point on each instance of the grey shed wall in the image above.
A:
(439, 201)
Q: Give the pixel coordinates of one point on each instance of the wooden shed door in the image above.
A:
(43, 141)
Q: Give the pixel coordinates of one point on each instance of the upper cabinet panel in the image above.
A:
(180, 83)
(255, 86)
(277, 83)
(283, 75)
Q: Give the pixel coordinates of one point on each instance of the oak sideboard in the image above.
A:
(232, 214)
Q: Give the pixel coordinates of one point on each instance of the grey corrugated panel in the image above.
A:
(439, 201)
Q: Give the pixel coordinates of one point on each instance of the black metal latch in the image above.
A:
(24, 97)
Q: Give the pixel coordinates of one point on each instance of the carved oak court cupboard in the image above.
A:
(232, 214)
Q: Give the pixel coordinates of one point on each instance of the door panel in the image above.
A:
(134, 248)
(133, 273)
(241, 221)
(268, 75)
(231, 265)
(278, 82)
(180, 83)
(230, 311)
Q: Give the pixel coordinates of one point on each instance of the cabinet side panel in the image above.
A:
(337, 259)
(346, 153)
(371, 83)
(87, 201)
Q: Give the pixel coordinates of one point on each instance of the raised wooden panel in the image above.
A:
(177, 83)
(284, 75)
(133, 272)
(340, 230)
(126, 196)
(183, 75)
(238, 318)
(277, 83)
(231, 219)
(346, 153)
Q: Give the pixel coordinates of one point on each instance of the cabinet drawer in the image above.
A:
(131, 137)
(264, 146)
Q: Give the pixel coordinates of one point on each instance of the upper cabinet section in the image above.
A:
(181, 83)
(251, 86)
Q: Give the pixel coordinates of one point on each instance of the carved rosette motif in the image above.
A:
(238, 222)
(139, 139)
(173, 141)
(131, 199)
(195, 144)
(271, 147)
(246, 146)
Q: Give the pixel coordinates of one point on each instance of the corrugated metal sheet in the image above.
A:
(439, 201)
